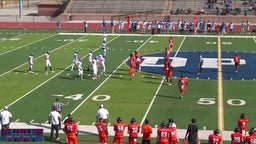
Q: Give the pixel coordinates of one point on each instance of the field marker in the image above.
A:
(31, 121)
(152, 101)
(58, 95)
(17, 120)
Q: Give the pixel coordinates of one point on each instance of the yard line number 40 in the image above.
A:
(211, 101)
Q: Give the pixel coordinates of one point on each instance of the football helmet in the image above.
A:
(216, 132)
(133, 120)
(71, 120)
(119, 119)
(163, 125)
(251, 132)
(236, 129)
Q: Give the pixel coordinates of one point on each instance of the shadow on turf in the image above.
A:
(48, 139)
(168, 96)
(26, 71)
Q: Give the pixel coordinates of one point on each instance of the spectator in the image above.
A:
(191, 135)
(104, 26)
(5, 118)
(112, 26)
(58, 26)
(248, 26)
(85, 26)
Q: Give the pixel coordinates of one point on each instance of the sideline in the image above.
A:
(91, 129)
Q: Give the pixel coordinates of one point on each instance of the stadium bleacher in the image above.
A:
(157, 10)
(115, 6)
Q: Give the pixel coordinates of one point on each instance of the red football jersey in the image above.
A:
(119, 129)
(133, 130)
(237, 138)
(70, 129)
(237, 59)
(163, 135)
(251, 139)
(101, 127)
(214, 139)
(242, 123)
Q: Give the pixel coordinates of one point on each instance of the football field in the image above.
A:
(216, 98)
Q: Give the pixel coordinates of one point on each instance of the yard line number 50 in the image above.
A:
(211, 101)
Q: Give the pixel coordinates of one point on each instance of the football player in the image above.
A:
(237, 62)
(215, 138)
(75, 59)
(133, 131)
(119, 128)
(47, 62)
(182, 84)
(30, 62)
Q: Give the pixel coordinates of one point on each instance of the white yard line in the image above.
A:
(26, 45)
(47, 79)
(106, 79)
(13, 37)
(254, 39)
(152, 101)
(39, 56)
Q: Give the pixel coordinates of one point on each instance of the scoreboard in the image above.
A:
(22, 135)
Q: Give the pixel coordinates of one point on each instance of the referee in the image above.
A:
(58, 105)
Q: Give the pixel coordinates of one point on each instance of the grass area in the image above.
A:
(29, 96)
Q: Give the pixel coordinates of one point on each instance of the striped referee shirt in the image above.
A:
(58, 106)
